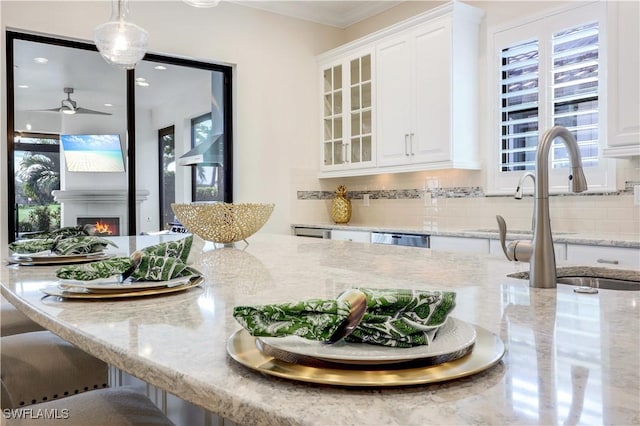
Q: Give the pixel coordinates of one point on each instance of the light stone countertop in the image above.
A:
(571, 358)
(630, 241)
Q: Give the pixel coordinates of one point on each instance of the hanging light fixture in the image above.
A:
(202, 3)
(121, 43)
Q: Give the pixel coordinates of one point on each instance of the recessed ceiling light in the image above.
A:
(160, 67)
(141, 79)
(142, 83)
(28, 126)
(40, 60)
(23, 86)
(108, 105)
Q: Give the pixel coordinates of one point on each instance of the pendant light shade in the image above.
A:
(121, 43)
(202, 3)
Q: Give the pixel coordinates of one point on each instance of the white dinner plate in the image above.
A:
(112, 285)
(48, 258)
(455, 336)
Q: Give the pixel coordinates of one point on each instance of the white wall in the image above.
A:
(275, 105)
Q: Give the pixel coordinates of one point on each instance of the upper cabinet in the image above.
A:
(623, 109)
(347, 91)
(409, 102)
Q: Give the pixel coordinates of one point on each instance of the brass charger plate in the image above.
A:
(55, 291)
(487, 352)
(67, 259)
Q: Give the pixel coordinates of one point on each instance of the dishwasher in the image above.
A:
(397, 239)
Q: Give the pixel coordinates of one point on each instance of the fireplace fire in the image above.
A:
(105, 226)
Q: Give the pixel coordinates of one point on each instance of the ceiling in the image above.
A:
(339, 14)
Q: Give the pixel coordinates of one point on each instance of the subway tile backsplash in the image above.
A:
(444, 201)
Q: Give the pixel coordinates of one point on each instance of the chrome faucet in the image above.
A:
(539, 252)
(518, 194)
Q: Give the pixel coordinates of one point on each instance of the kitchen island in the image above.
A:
(570, 358)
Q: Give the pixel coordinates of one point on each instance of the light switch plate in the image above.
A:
(636, 195)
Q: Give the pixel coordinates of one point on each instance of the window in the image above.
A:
(550, 72)
(167, 181)
(37, 173)
(206, 179)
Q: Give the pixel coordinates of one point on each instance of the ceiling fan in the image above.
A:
(69, 106)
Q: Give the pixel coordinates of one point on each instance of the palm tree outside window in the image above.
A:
(37, 173)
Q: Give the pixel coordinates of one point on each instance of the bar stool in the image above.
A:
(120, 406)
(39, 366)
(12, 321)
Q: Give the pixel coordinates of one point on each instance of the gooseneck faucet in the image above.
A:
(539, 252)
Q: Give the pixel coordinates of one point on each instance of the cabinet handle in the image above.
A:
(411, 144)
(406, 143)
(610, 261)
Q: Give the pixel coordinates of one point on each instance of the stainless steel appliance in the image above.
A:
(397, 239)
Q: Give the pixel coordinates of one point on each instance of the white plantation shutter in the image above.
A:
(549, 70)
(575, 91)
(519, 109)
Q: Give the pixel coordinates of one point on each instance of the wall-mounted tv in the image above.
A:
(92, 153)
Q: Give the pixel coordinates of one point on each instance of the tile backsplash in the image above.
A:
(452, 199)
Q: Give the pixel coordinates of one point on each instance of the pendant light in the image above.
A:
(202, 3)
(121, 43)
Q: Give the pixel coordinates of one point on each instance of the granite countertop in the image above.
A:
(607, 240)
(570, 358)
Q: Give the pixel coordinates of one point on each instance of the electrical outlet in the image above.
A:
(365, 200)
(636, 195)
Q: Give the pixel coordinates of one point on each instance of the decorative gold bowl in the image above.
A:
(223, 222)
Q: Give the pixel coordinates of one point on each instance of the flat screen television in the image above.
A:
(92, 153)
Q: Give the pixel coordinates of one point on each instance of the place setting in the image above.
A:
(365, 337)
(67, 245)
(159, 269)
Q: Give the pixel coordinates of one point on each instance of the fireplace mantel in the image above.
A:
(97, 195)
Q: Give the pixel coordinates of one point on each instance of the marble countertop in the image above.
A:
(570, 358)
(606, 240)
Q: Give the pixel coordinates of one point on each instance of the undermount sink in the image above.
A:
(585, 278)
(602, 283)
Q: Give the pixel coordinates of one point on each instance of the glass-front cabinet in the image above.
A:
(347, 92)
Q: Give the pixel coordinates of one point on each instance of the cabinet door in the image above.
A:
(357, 236)
(603, 256)
(431, 134)
(459, 244)
(360, 148)
(333, 150)
(394, 109)
(623, 82)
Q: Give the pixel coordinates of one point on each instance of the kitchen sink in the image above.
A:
(593, 278)
(603, 283)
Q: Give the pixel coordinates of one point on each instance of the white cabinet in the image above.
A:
(403, 98)
(603, 256)
(347, 118)
(426, 100)
(459, 244)
(357, 236)
(623, 108)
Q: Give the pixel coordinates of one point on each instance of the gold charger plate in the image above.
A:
(55, 291)
(26, 260)
(487, 352)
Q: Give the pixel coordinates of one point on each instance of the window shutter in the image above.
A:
(575, 91)
(519, 106)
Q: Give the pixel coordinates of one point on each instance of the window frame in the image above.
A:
(169, 130)
(541, 27)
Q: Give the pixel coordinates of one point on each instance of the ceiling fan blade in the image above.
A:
(46, 110)
(81, 110)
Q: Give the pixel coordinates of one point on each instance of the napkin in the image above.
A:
(160, 262)
(61, 245)
(68, 231)
(395, 317)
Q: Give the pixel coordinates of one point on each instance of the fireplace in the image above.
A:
(105, 226)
